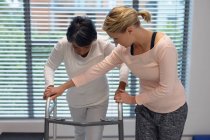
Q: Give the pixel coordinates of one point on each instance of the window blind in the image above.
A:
(30, 28)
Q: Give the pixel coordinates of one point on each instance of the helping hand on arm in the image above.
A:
(120, 95)
(54, 92)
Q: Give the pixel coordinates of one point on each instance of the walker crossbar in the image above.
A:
(54, 120)
(65, 122)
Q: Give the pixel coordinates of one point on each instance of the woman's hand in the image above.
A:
(53, 92)
(122, 96)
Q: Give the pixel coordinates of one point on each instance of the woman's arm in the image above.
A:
(124, 70)
(91, 74)
(99, 69)
(54, 60)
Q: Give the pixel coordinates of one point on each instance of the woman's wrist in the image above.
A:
(138, 100)
(63, 86)
(67, 85)
(133, 99)
(122, 85)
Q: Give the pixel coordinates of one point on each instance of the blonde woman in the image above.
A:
(161, 108)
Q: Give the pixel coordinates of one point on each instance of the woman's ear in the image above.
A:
(129, 29)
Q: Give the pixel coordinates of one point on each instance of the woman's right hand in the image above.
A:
(53, 92)
(44, 96)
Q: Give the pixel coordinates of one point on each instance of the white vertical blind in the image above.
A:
(30, 28)
(13, 66)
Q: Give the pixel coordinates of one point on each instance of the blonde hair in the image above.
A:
(119, 18)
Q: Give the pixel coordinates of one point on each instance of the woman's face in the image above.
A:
(124, 39)
(82, 51)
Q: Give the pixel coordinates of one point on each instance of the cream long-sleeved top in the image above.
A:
(95, 91)
(160, 88)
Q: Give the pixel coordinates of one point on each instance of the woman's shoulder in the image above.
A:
(102, 39)
(164, 46)
(62, 43)
(163, 40)
(159, 36)
(104, 43)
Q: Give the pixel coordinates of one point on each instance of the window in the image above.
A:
(30, 28)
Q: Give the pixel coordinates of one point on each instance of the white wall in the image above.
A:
(198, 121)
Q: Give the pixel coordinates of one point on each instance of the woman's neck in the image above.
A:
(143, 39)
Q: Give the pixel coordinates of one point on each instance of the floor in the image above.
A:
(115, 138)
(39, 136)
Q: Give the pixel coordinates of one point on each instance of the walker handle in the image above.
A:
(48, 107)
(120, 111)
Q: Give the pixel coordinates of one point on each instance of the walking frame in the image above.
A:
(51, 107)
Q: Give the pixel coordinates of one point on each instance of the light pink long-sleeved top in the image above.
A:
(160, 88)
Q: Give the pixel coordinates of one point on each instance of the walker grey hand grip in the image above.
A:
(49, 108)
(120, 111)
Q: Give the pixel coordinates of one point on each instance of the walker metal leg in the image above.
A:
(121, 130)
(54, 131)
(55, 125)
(46, 129)
(120, 119)
(46, 120)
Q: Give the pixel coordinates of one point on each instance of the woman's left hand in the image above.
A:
(123, 97)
